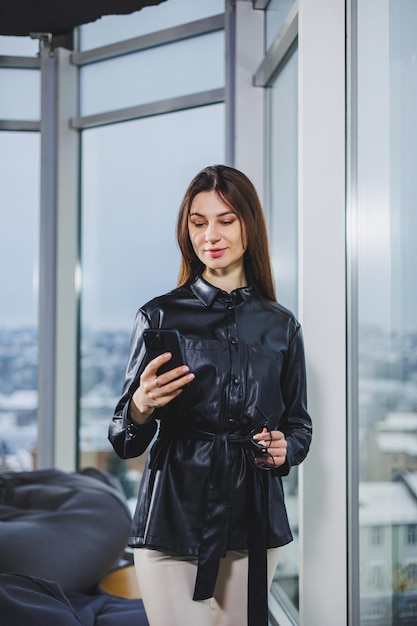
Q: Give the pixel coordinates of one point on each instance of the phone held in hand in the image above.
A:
(160, 340)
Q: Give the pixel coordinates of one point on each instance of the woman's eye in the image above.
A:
(227, 222)
(198, 224)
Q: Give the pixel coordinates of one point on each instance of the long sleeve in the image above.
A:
(296, 422)
(128, 438)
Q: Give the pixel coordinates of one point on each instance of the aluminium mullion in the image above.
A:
(20, 125)
(353, 471)
(144, 42)
(230, 87)
(47, 263)
(170, 105)
(19, 63)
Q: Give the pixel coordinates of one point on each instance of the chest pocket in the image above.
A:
(263, 374)
(207, 359)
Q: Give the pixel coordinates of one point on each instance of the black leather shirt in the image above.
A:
(200, 494)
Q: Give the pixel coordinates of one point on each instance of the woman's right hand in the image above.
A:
(156, 391)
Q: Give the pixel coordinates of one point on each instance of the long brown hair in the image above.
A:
(238, 192)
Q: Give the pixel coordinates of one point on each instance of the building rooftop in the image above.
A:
(386, 504)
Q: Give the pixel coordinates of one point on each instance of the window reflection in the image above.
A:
(387, 347)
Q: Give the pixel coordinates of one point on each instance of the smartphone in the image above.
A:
(159, 340)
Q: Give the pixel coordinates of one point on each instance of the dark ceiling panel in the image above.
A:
(22, 17)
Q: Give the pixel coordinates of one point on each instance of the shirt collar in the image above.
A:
(207, 293)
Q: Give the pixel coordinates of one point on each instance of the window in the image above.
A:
(283, 180)
(134, 175)
(111, 29)
(412, 534)
(386, 227)
(409, 609)
(168, 71)
(276, 14)
(412, 573)
(376, 576)
(19, 254)
(376, 536)
(282, 215)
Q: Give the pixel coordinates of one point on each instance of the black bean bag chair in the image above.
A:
(30, 601)
(60, 534)
(25, 600)
(70, 528)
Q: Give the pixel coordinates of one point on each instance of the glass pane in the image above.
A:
(283, 181)
(20, 94)
(134, 176)
(387, 310)
(163, 72)
(19, 254)
(283, 234)
(276, 13)
(112, 28)
(18, 46)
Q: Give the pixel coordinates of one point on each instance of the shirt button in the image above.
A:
(230, 307)
(236, 381)
(233, 341)
(231, 421)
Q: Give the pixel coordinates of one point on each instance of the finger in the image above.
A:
(265, 435)
(175, 385)
(278, 442)
(153, 396)
(277, 450)
(173, 374)
(277, 435)
(154, 365)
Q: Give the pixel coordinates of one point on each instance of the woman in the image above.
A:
(210, 514)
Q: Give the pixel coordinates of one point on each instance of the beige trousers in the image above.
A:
(167, 582)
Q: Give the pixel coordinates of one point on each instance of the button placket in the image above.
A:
(234, 386)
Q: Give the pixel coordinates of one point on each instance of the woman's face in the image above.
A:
(216, 234)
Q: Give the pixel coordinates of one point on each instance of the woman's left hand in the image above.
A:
(277, 447)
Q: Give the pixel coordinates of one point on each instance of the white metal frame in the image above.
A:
(322, 297)
(58, 289)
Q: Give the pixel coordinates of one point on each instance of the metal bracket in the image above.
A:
(45, 41)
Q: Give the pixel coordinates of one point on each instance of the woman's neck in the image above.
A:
(228, 281)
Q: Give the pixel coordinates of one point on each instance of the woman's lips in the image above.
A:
(215, 252)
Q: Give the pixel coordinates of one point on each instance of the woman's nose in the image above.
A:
(212, 233)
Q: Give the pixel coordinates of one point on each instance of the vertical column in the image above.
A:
(58, 342)
(249, 102)
(322, 297)
(230, 33)
(47, 260)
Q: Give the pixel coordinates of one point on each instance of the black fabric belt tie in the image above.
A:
(213, 544)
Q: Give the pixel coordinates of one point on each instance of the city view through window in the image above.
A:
(387, 311)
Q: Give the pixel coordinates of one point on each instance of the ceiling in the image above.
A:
(22, 17)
